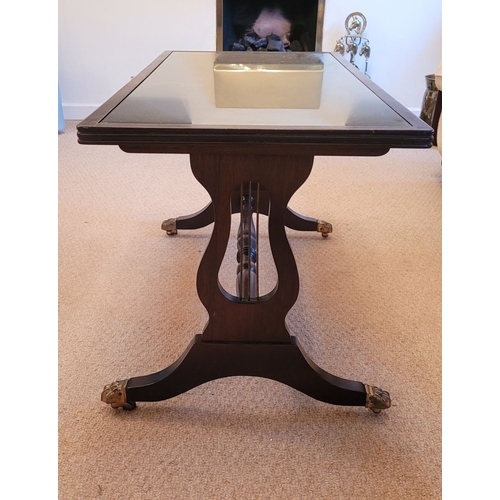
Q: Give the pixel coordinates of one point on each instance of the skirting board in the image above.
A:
(78, 111)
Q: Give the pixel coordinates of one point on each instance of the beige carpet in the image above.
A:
(369, 309)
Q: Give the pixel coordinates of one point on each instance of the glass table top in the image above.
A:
(255, 90)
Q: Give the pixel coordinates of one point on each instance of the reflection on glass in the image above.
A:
(181, 92)
(261, 80)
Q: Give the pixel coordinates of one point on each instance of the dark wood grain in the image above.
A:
(285, 363)
(280, 176)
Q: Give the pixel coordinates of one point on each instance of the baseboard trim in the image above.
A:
(78, 111)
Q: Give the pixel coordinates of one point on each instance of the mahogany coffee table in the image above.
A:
(252, 124)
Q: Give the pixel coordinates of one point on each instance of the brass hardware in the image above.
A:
(324, 228)
(170, 225)
(115, 394)
(377, 399)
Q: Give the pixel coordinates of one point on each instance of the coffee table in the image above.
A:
(252, 124)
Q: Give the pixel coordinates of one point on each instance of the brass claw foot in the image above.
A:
(377, 399)
(115, 395)
(170, 225)
(324, 228)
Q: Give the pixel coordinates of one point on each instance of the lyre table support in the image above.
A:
(246, 334)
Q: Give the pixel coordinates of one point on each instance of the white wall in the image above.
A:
(102, 44)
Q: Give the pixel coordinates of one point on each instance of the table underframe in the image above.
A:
(246, 334)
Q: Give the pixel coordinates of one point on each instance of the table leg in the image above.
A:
(247, 335)
(205, 216)
(205, 361)
(199, 219)
(293, 220)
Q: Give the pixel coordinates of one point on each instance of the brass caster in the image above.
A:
(377, 399)
(324, 228)
(129, 406)
(115, 394)
(170, 226)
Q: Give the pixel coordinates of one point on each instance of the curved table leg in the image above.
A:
(293, 220)
(199, 219)
(206, 361)
(205, 216)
